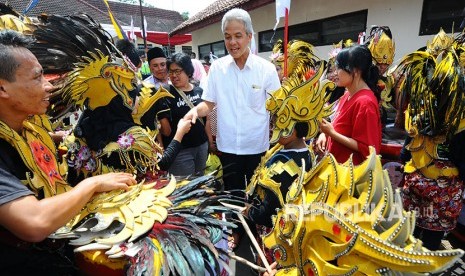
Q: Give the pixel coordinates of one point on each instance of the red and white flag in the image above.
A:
(281, 6)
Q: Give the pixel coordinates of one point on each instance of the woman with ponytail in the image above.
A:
(357, 123)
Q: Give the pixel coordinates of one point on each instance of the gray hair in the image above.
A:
(238, 15)
(9, 41)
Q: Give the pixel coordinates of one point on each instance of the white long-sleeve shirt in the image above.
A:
(240, 96)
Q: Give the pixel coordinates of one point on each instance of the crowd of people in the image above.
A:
(226, 108)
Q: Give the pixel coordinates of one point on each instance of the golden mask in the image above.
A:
(298, 101)
(440, 42)
(382, 48)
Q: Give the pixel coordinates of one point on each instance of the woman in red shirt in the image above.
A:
(357, 123)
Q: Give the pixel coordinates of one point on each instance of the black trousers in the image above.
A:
(238, 169)
(237, 172)
(431, 239)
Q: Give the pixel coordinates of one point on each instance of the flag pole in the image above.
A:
(143, 26)
(286, 27)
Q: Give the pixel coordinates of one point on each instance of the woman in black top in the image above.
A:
(193, 155)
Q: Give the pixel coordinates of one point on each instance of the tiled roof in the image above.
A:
(159, 20)
(61, 7)
(214, 13)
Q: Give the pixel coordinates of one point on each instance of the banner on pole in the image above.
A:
(119, 31)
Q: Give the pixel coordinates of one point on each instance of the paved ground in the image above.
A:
(450, 241)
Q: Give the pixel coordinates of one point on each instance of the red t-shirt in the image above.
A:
(359, 119)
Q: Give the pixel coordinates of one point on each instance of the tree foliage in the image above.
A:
(185, 15)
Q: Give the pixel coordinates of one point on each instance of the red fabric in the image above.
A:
(437, 202)
(359, 119)
(46, 161)
(164, 38)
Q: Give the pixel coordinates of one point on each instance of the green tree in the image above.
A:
(185, 16)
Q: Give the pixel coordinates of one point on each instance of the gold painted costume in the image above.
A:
(336, 219)
(341, 219)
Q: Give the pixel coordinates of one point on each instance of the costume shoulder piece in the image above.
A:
(137, 149)
(343, 219)
(38, 152)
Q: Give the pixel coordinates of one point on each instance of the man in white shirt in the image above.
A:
(238, 84)
(157, 64)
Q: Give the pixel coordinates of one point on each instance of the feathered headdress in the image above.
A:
(277, 55)
(101, 72)
(173, 227)
(10, 20)
(435, 89)
(301, 60)
(336, 49)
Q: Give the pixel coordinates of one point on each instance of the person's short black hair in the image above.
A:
(10, 40)
(183, 61)
(128, 49)
(193, 55)
(155, 52)
(301, 129)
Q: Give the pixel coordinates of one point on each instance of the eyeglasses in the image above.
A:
(175, 72)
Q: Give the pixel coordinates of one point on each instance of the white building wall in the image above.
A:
(403, 18)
